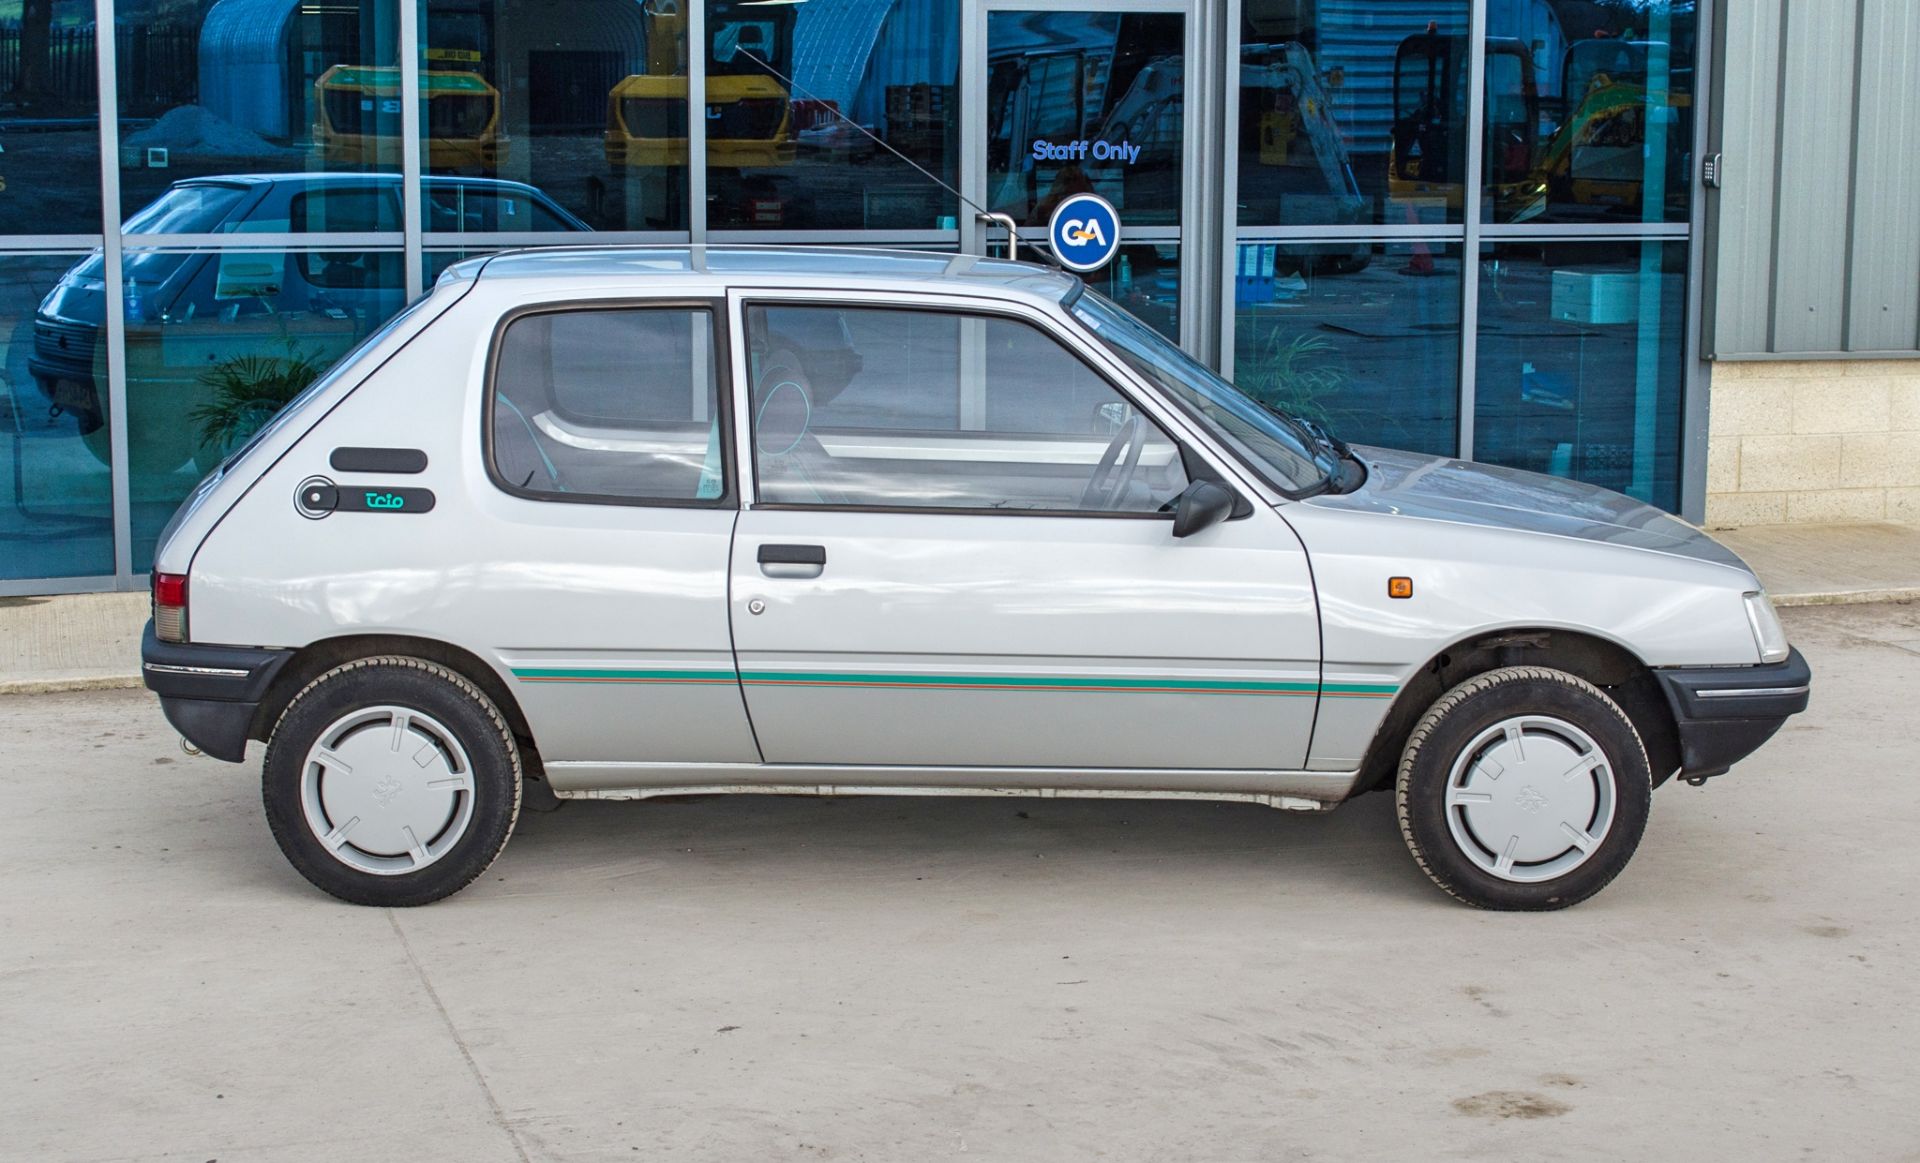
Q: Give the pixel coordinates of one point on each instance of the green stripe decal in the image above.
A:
(570, 674)
(1030, 683)
(1360, 689)
(959, 682)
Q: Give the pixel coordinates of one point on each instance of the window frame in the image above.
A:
(744, 300)
(723, 403)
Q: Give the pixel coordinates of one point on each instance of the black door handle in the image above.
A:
(793, 555)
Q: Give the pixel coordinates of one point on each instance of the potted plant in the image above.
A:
(246, 392)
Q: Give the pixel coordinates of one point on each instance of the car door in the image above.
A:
(606, 519)
(959, 554)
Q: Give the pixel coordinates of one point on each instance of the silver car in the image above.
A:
(619, 523)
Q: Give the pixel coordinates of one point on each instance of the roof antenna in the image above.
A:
(1003, 220)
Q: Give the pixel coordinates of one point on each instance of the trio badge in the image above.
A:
(1085, 232)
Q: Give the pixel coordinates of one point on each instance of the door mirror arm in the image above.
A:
(1203, 505)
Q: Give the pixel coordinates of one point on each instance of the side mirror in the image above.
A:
(1204, 505)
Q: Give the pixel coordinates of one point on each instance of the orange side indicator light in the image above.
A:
(1399, 587)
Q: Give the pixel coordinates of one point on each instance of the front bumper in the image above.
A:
(63, 349)
(210, 693)
(1724, 713)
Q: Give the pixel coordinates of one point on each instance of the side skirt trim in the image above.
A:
(1291, 790)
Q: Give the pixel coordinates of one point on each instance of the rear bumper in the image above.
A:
(1724, 713)
(209, 693)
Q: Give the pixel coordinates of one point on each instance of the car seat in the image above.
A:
(794, 467)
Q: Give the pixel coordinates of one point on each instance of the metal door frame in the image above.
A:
(1196, 232)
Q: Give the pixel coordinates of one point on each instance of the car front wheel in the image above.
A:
(391, 781)
(1523, 788)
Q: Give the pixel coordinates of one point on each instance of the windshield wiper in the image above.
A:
(1318, 437)
(1326, 439)
(1348, 472)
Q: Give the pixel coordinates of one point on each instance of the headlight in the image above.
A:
(1768, 634)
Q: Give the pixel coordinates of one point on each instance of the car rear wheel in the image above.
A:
(1523, 788)
(391, 781)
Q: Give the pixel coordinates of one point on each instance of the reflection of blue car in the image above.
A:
(316, 291)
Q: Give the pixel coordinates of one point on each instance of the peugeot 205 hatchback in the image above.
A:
(633, 522)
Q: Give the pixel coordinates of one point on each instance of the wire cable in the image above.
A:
(833, 107)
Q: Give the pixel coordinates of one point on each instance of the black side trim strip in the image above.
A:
(397, 460)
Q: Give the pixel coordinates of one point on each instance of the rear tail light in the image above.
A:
(170, 607)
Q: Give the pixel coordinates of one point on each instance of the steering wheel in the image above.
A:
(1118, 463)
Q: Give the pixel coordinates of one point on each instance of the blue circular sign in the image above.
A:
(1085, 232)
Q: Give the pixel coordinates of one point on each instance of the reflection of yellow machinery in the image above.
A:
(1600, 156)
(647, 120)
(1428, 154)
(749, 111)
(359, 118)
(1290, 144)
(1293, 115)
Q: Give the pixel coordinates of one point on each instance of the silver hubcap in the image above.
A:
(1530, 798)
(387, 790)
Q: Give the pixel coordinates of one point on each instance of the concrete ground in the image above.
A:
(1012, 979)
(1818, 565)
(71, 642)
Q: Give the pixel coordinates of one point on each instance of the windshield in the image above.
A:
(181, 210)
(1279, 447)
(147, 268)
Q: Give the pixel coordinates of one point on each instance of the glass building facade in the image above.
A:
(1464, 227)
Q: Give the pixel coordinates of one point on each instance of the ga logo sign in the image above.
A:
(1085, 232)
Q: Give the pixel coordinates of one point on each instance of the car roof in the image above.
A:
(839, 265)
(330, 177)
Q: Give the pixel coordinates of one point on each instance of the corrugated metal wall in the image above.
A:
(1359, 37)
(1814, 237)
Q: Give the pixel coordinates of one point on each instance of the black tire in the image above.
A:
(416, 685)
(1460, 717)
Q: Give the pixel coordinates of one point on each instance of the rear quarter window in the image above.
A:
(609, 405)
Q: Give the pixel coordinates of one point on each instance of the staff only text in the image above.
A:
(1124, 152)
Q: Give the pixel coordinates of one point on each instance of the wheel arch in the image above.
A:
(316, 658)
(1605, 663)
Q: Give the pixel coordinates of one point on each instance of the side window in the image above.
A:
(460, 207)
(344, 209)
(608, 404)
(347, 209)
(932, 409)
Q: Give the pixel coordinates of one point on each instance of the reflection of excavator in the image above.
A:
(1293, 159)
(1599, 157)
(1428, 156)
(749, 111)
(358, 118)
(1149, 115)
